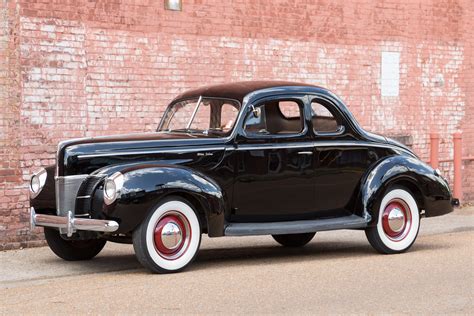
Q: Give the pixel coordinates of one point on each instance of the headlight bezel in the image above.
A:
(112, 186)
(37, 182)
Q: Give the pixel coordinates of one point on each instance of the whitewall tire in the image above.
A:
(398, 222)
(169, 238)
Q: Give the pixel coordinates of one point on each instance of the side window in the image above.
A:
(323, 120)
(280, 117)
(289, 109)
(228, 114)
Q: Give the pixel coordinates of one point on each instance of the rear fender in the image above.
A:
(429, 189)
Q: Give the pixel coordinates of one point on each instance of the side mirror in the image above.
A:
(256, 112)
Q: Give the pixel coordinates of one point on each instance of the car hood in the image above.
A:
(108, 146)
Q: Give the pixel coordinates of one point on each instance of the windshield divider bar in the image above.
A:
(194, 112)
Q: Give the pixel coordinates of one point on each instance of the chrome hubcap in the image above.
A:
(171, 236)
(396, 220)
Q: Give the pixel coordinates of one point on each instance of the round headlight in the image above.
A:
(35, 184)
(110, 190)
(112, 186)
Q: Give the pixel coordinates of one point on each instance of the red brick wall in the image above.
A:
(84, 68)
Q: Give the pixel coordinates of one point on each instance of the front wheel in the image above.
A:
(398, 223)
(72, 250)
(169, 238)
(294, 240)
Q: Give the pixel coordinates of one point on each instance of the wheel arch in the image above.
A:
(196, 202)
(413, 188)
(146, 185)
(427, 188)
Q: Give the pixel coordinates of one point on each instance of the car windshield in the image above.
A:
(201, 115)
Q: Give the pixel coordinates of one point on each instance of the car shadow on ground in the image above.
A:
(213, 258)
(244, 256)
(256, 255)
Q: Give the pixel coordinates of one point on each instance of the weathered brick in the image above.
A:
(74, 69)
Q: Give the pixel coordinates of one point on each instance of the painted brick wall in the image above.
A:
(85, 68)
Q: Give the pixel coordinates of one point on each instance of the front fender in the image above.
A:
(430, 189)
(45, 202)
(145, 185)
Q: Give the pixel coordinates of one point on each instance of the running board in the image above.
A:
(295, 227)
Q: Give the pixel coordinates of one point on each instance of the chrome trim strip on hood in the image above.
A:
(251, 147)
(144, 152)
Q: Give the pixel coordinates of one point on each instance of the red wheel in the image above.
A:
(169, 238)
(172, 234)
(396, 219)
(398, 222)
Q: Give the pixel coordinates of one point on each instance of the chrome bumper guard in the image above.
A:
(72, 224)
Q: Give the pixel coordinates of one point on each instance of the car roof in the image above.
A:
(237, 90)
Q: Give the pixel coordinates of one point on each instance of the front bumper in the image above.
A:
(71, 224)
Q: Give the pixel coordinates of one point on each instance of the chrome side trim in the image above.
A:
(71, 224)
(144, 152)
(272, 146)
(247, 147)
(318, 144)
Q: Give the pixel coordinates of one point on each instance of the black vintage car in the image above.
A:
(249, 158)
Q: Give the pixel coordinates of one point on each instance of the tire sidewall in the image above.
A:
(409, 239)
(68, 250)
(175, 265)
(294, 240)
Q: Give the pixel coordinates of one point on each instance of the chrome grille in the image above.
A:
(66, 193)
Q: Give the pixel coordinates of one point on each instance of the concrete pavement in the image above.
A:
(338, 272)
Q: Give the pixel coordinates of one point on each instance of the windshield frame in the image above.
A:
(199, 100)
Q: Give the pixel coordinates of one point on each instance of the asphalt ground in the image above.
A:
(338, 272)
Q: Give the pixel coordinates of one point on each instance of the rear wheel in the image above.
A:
(72, 250)
(398, 223)
(169, 238)
(294, 240)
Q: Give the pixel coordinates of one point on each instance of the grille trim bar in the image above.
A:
(66, 192)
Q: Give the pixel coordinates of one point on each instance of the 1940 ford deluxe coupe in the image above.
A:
(249, 158)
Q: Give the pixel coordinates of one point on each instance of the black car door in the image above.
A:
(340, 159)
(275, 167)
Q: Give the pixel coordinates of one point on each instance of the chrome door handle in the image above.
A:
(305, 153)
